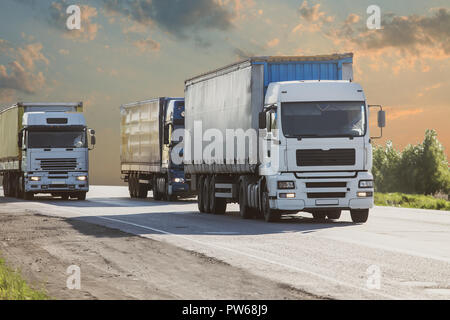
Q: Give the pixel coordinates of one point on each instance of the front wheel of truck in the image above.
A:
(28, 196)
(360, 215)
(270, 215)
(81, 196)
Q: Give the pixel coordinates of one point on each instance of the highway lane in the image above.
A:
(407, 250)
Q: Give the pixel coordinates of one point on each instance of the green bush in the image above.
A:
(13, 287)
(411, 201)
(419, 169)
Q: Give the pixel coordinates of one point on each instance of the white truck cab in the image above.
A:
(321, 152)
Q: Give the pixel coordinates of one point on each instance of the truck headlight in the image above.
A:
(286, 185)
(365, 194)
(178, 180)
(35, 179)
(82, 178)
(366, 184)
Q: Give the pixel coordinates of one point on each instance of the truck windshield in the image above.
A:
(57, 139)
(323, 119)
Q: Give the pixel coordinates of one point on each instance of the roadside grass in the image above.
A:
(13, 287)
(411, 201)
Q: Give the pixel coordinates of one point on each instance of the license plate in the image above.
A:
(59, 182)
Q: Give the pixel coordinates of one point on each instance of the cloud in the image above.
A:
(64, 52)
(179, 18)
(147, 45)
(19, 75)
(396, 114)
(58, 18)
(410, 33)
(273, 43)
(315, 18)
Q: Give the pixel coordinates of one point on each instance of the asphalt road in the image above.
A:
(398, 254)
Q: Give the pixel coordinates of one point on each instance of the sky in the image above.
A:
(130, 50)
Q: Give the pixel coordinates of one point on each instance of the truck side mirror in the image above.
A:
(20, 139)
(93, 140)
(262, 120)
(166, 134)
(381, 119)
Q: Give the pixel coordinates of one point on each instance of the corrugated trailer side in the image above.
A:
(231, 98)
(141, 135)
(10, 126)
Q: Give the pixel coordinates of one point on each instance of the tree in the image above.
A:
(421, 169)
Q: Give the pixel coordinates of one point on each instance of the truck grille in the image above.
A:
(58, 164)
(334, 157)
(325, 195)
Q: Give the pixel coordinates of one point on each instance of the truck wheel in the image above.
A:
(359, 216)
(156, 194)
(244, 210)
(28, 196)
(217, 205)
(270, 215)
(81, 196)
(130, 189)
(142, 191)
(6, 184)
(169, 197)
(206, 193)
(334, 215)
(319, 215)
(65, 197)
(200, 202)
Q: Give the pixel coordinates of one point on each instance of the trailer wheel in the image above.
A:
(200, 202)
(359, 216)
(244, 210)
(142, 190)
(270, 215)
(217, 205)
(131, 187)
(206, 194)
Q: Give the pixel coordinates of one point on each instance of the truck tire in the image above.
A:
(131, 187)
(142, 191)
(334, 214)
(65, 197)
(217, 205)
(319, 215)
(156, 194)
(6, 185)
(200, 203)
(28, 196)
(360, 215)
(244, 210)
(81, 196)
(270, 215)
(169, 197)
(206, 194)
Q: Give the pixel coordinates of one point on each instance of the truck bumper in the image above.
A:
(330, 193)
(50, 184)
